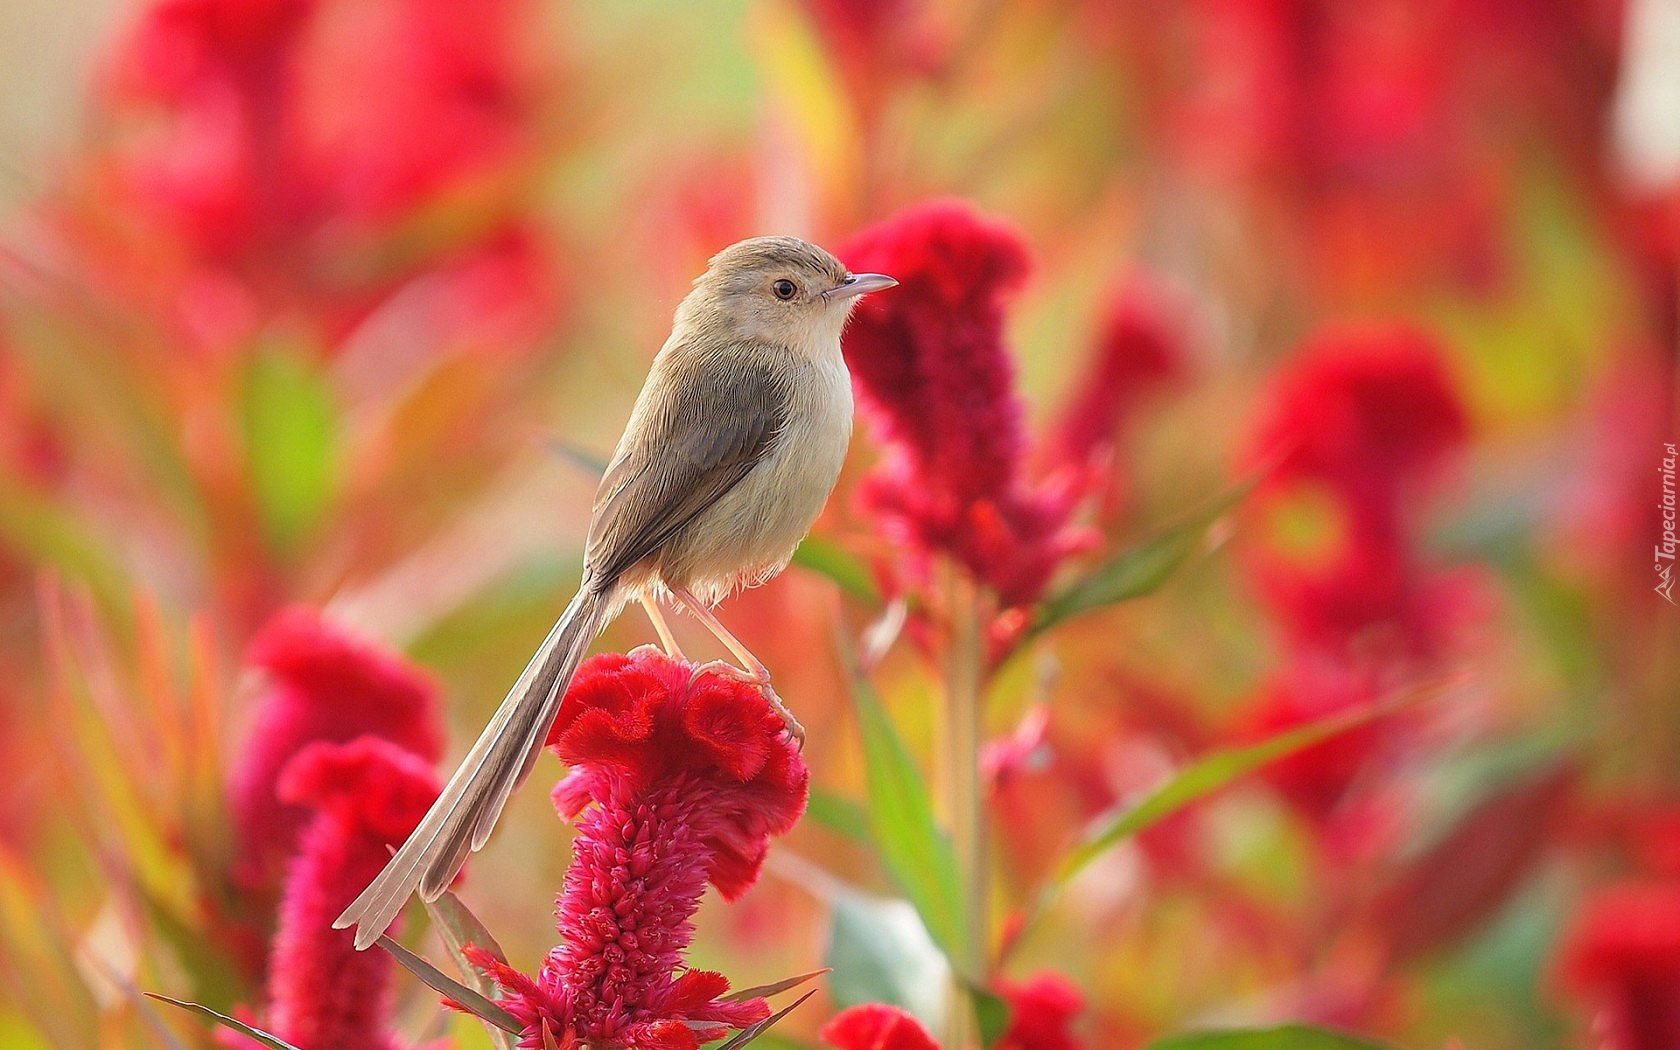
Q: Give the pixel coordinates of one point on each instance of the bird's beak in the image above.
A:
(857, 284)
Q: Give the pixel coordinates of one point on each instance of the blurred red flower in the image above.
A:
(1041, 1013)
(1361, 424)
(935, 379)
(257, 165)
(1371, 412)
(1621, 958)
(365, 795)
(680, 777)
(876, 1026)
(321, 685)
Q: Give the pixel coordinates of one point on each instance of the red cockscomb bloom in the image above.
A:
(1363, 422)
(263, 162)
(876, 1026)
(1041, 1010)
(934, 377)
(366, 794)
(680, 779)
(1371, 413)
(321, 685)
(1621, 958)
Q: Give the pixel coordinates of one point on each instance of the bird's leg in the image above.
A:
(751, 668)
(667, 640)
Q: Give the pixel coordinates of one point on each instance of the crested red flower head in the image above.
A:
(1361, 424)
(321, 685)
(935, 379)
(1372, 414)
(876, 1026)
(365, 795)
(1621, 959)
(262, 162)
(450, 103)
(1041, 1013)
(678, 778)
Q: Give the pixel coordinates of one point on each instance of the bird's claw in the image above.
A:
(729, 670)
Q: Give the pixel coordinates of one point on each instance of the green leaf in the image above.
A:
(991, 1011)
(273, 1042)
(751, 1032)
(459, 927)
(916, 851)
(290, 442)
(1286, 1037)
(1137, 571)
(443, 984)
(1207, 775)
(827, 558)
(839, 815)
(881, 953)
(764, 991)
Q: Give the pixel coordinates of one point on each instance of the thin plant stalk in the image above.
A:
(964, 670)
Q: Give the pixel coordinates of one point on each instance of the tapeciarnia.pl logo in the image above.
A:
(1663, 554)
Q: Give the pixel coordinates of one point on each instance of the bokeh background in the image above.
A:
(337, 304)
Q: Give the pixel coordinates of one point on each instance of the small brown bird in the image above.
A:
(734, 444)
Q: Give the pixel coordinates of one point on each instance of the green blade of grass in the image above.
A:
(914, 848)
(273, 1042)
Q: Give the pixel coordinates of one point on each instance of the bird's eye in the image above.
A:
(784, 289)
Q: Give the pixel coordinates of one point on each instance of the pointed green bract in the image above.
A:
(443, 984)
(751, 1032)
(273, 1042)
(1139, 570)
(1207, 775)
(459, 927)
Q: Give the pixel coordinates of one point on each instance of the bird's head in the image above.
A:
(781, 290)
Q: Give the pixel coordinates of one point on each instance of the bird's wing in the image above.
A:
(708, 425)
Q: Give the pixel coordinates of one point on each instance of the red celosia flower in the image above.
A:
(680, 778)
(1363, 423)
(449, 104)
(1621, 957)
(208, 83)
(876, 1026)
(1041, 1010)
(1371, 413)
(366, 794)
(934, 377)
(321, 685)
(261, 161)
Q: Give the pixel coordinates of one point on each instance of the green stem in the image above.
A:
(963, 701)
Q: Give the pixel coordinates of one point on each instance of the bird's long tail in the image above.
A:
(464, 814)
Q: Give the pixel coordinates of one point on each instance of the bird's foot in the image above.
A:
(729, 670)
